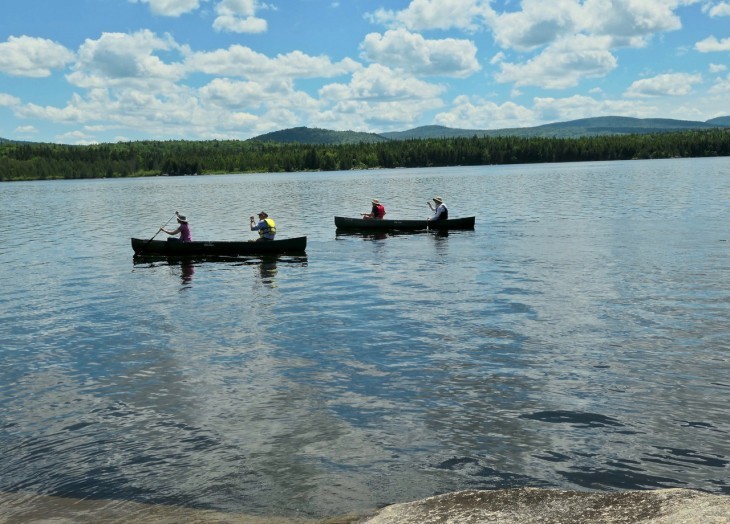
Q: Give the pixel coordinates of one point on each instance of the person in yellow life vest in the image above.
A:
(266, 227)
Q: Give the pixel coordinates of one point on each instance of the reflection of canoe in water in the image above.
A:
(363, 224)
(218, 248)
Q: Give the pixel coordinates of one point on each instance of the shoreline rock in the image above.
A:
(547, 506)
(507, 506)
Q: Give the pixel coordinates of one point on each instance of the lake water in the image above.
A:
(578, 338)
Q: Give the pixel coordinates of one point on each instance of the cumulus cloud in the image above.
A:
(9, 100)
(671, 84)
(170, 7)
(381, 96)
(721, 86)
(119, 58)
(239, 16)
(227, 94)
(32, 57)
(719, 9)
(717, 68)
(412, 52)
(549, 109)
(380, 83)
(435, 14)
(538, 23)
(242, 61)
(626, 22)
(562, 64)
(478, 113)
(629, 22)
(712, 44)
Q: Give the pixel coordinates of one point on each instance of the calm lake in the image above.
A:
(578, 338)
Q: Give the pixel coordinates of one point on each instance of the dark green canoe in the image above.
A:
(218, 248)
(362, 224)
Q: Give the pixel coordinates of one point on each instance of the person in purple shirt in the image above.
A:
(183, 229)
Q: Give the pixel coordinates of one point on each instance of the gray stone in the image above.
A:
(544, 506)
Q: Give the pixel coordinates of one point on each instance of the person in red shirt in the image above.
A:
(377, 211)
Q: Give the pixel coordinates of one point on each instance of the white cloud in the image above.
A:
(411, 52)
(239, 16)
(721, 86)
(26, 130)
(435, 14)
(170, 7)
(125, 59)
(242, 61)
(9, 100)
(477, 113)
(379, 83)
(380, 96)
(548, 109)
(32, 57)
(223, 93)
(626, 22)
(719, 9)
(672, 84)
(562, 64)
(717, 68)
(712, 44)
(629, 22)
(76, 137)
(537, 24)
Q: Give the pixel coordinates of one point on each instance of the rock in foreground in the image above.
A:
(532, 505)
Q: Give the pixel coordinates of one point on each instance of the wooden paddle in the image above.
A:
(153, 236)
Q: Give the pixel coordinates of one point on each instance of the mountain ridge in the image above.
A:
(595, 126)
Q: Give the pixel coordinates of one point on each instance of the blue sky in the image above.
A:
(86, 71)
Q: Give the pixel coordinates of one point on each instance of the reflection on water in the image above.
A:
(266, 264)
(577, 338)
(187, 270)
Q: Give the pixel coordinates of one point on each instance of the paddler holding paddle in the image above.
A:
(377, 211)
(440, 212)
(266, 227)
(183, 229)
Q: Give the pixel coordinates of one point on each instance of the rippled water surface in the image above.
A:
(578, 338)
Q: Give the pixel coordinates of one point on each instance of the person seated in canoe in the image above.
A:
(377, 211)
(440, 212)
(266, 227)
(183, 229)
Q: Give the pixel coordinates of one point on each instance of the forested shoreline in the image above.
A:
(37, 161)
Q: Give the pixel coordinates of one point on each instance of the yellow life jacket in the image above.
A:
(270, 227)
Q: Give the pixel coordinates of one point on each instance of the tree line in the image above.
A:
(38, 161)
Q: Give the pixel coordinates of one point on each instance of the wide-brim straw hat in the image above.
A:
(376, 201)
(438, 200)
(181, 218)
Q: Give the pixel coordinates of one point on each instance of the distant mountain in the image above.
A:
(314, 136)
(605, 125)
(720, 121)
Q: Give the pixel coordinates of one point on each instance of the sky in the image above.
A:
(95, 71)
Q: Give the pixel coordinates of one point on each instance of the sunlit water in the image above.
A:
(578, 338)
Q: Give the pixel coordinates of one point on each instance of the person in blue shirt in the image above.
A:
(265, 226)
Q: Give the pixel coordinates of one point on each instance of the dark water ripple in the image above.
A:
(578, 338)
